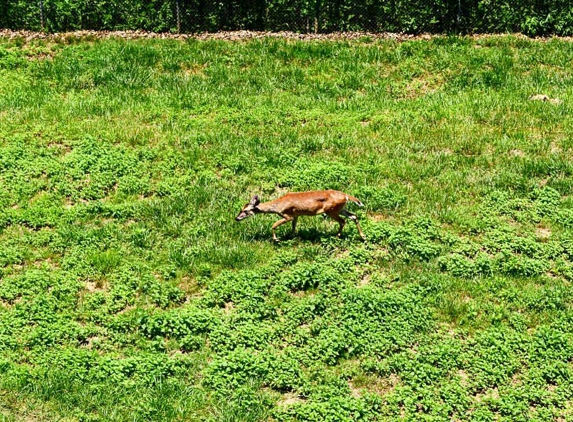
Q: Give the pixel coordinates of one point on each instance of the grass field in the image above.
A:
(129, 293)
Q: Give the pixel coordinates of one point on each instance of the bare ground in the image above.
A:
(223, 35)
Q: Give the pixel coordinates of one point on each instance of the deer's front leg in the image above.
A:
(278, 223)
(294, 220)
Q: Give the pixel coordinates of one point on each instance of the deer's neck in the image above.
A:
(266, 207)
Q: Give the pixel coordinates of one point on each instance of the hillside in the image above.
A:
(128, 291)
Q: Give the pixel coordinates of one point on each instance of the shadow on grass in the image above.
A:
(310, 235)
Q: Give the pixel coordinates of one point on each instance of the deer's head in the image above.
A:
(249, 209)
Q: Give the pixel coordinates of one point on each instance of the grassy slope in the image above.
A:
(127, 291)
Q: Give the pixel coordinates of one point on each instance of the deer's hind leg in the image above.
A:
(340, 221)
(353, 217)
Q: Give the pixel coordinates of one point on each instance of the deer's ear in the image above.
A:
(255, 201)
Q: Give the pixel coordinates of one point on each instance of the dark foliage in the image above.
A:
(532, 17)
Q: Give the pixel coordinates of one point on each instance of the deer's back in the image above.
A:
(310, 203)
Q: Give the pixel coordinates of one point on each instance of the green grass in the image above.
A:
(128, 291)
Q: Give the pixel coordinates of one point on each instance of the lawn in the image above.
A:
(129, 293)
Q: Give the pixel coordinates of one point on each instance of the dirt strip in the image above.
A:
(239, 36)
(222, 35)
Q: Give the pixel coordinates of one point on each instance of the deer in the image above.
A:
(294, 204)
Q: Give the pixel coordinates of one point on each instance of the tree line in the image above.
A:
(531, 17)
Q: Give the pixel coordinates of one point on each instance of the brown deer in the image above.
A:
(293, 205)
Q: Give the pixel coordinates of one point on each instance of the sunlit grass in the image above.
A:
(128, 291)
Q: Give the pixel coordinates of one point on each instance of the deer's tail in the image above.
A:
(355, 200)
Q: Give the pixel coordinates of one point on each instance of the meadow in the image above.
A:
(129, 293)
